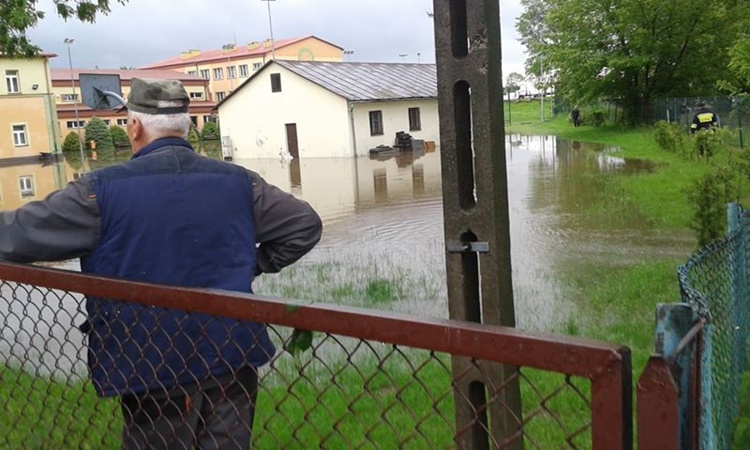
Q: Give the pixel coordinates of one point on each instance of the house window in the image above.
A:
(196, 95)
(205, 73)
(194, 119)
(243, 71)
(11, 81)
(106, 122)
(26, 183)
(415, 121)
(218, 73)
(72, 124)
(121, 122)
(192, 72)
(275, 82)
(207, 119)
(257, 66)
(376, 123)
(220, 96)
(69, 97)
(20, 139)
(232, 72)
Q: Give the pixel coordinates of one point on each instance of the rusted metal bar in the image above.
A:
(575, 356)
(612, 406)
(658, 407)
(475, 202)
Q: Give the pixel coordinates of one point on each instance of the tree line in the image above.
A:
(637, 51)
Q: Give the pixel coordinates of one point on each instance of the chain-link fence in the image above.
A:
(367, 380)
(690, 391)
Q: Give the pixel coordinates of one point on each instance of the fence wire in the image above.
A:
(714, 282)
(342, 392)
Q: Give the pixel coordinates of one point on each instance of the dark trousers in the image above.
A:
(217, 414)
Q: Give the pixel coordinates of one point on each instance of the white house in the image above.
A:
(329, 109)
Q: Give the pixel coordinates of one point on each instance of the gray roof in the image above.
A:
(369, 81)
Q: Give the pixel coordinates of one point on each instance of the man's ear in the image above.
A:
(137, 129)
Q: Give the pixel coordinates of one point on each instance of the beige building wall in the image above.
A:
(395, 118)
(255, 118)
(64, 97)
(25, 183)
(309, 49)
(28, 118)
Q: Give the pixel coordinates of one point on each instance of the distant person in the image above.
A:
(169, 216)
(704, 119)
(575, 116)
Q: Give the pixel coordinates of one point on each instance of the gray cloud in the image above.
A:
(146, 31)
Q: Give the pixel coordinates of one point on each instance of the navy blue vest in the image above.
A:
(170, 216)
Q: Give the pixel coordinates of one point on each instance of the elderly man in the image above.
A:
(174, 217)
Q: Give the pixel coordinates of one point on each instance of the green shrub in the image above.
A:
(211, 131)
(70, 144)
(707, 143)
(669, 136)
(708, 197)
(96, 130)
(119, 136)
(193, 137)
(595, 117)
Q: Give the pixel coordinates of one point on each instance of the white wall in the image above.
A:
(255, 118)
(395, 119)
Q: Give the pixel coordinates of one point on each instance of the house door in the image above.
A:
(291, 140)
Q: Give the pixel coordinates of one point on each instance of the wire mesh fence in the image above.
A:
(714, 283)
(367, 379)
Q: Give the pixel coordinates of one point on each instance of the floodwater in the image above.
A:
(383, 222)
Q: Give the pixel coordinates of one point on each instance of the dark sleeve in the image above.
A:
(286, 227)
(64, 225)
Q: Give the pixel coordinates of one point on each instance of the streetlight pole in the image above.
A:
(270, 26)
(69, 42)
(229, 48)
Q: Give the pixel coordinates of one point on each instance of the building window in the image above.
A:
(121, 122)
(194, 119)
(11, 81)
(220, 96)
(218, 73)
(232, 72)
(20, 139)
(196, 95)
(257, 66)
(26, 183)
(376, 123)
(192, 72)
(275, 82)
(106, 122)
(72, 124)
(205, 73)
(415, 121)
(207, 119)
(69, 97)
(243, 71)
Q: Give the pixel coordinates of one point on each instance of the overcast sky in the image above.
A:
(146, 31)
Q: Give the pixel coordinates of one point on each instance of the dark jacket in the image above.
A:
(704, 119)
(173, 217)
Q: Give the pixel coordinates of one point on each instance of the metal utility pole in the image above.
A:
(270, 26)
(69, 42)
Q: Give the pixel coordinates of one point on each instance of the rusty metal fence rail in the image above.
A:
(369, 380)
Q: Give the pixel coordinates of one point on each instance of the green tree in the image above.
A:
(210, 131)
(119, 136)
(70, 144)
(18, 16)
(737, 79)
(632, 50)
(513, 82)
(96, 130)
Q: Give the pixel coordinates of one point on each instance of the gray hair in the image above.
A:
(158, 125)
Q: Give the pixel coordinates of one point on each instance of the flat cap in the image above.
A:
(146, 94)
